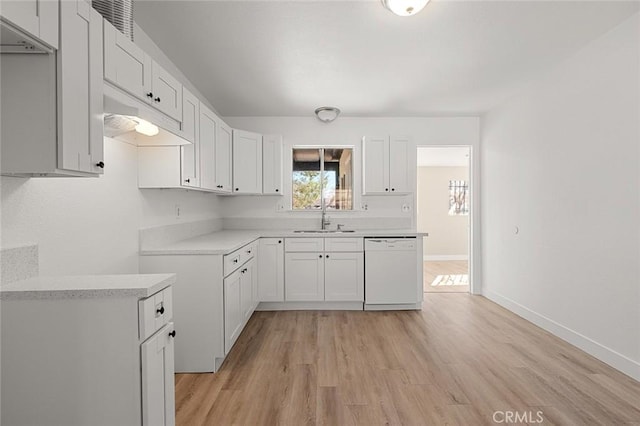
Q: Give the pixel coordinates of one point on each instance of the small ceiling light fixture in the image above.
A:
(405, 7)
(327, 114)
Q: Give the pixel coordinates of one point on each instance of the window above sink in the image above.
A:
(322, 178)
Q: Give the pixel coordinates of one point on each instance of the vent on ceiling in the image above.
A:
(118, 12)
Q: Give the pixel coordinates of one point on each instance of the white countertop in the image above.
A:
(226, 241)
(87, 287)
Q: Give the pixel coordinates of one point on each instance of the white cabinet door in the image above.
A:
(304, 277)
(190, 153)
(158, 403)
(271, 270)
(344, 277)
(272, 164)
(223, 157)
(399, 156)
(232, 310)
(247, 162)
(208, 124)
(246, 290)
(125, 64)
(375, 165)
(167, 92)
(39, 18)
(80, 133)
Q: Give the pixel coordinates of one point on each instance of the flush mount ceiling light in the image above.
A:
(405, 7)
(327, 114)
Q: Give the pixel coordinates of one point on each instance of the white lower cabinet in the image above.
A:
(304, 276)
(344, 277)
(233, 314)
(335, 274)
(94, 359)
(271, 270)
(212, 304)
(158, 401)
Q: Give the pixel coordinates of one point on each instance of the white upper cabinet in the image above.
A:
(399, 164)
(208, 129)
(247, 162)
(51, 111)
(38, 18)
(190, 153)
(80, 93)
(272, 164)
(223, 157)
(125, 64)
(386, 165)
(128, 67)
(166, 92)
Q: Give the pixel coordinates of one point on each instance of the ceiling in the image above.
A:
(286, 58)
(455, 156)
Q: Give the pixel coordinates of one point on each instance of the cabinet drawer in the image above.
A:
(343, 244)
(234, 260)
(154, 312)
(303, 244)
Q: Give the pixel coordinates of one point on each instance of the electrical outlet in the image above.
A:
(364, 206)
(406, 208)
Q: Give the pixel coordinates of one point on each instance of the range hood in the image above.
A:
(123, 114)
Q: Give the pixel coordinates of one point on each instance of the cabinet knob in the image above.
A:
(187, 180)
(248, 251)
(173, 333)
(277, 190)
(157, 99)
(320, 256)
(327, 256)
(235, 260)
(150, 95)
(393, 189)
(386, 189)
(160, 311)
(237, 189)
(100, 164)
(279, 241)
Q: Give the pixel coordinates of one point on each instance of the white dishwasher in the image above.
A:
(391, 273)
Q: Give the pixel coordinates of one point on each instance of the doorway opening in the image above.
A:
(443, 211)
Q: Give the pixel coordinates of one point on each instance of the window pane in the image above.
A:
(336, 186)
(338, 190)
(307, 187)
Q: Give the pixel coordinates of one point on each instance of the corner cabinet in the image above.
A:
(51, 111)
(386, 165)
(223, 152)
(247, 162)
(190, 153)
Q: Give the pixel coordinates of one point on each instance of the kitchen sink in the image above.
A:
(324, 231)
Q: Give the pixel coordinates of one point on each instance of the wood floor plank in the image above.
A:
(456, 362)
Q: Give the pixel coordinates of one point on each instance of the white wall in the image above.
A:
(90, 225)
(561, 162)
(448, 235)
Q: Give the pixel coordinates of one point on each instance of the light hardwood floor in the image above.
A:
(455, 363)
(432, 269)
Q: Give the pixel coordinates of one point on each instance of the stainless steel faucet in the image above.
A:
(325, 220)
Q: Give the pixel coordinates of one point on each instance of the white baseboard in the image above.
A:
(310, 306)
(434, 257)
(597, 350)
